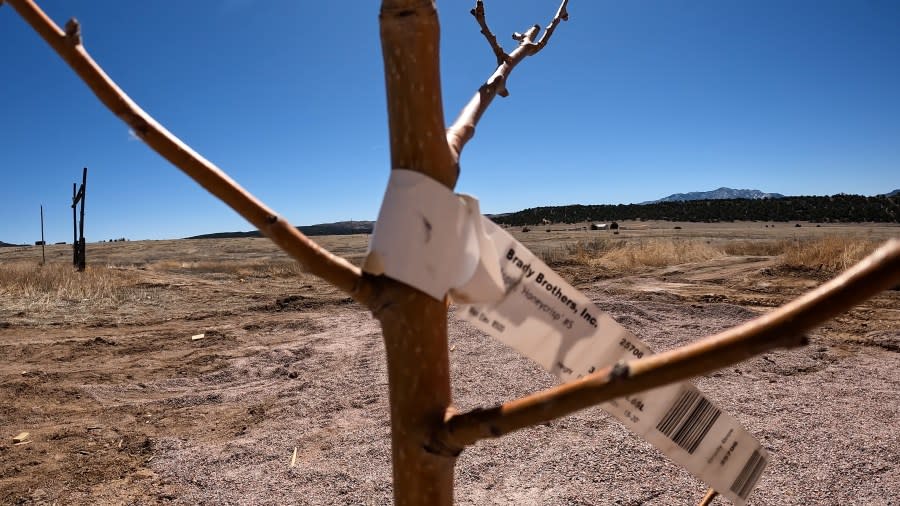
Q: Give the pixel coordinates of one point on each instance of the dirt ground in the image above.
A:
(124, 407)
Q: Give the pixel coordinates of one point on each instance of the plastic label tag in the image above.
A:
(554, 324)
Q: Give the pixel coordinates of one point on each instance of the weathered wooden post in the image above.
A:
(43, 241)
(78, 244)
(82, 256)
(74, 226)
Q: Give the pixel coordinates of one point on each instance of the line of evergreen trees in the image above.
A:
(836, 208)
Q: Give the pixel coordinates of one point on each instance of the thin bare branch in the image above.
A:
(782, 327)
(314, 258)
(708, 498)
(561, 15)
(478, 12)
(463, 129)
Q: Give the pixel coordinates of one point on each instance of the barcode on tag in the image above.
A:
(748, 476)
(689, 419)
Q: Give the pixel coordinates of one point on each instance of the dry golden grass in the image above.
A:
(829, 254)
(26, 283)
(656, 253)
(34, 283)
(765, 248)
(631, 255)
(240, 269)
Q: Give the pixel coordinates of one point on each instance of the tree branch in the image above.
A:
(478, 12)
(313, 257)
(561, 15)
(784, 326)
(463, 129)
(708, 498)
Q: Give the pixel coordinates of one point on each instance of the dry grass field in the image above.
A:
(123, 406)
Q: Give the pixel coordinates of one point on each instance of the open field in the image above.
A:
(124, 407)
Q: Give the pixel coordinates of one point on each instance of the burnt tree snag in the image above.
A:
(43, 241)
(79, 259)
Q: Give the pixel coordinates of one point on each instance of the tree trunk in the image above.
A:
(415, 325)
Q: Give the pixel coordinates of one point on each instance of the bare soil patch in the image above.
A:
(124, 407)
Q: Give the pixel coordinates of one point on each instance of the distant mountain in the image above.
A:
(338, 228)
(7, 245)
(718, 194)
(895, 193)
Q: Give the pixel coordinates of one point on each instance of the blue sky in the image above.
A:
(630, 102)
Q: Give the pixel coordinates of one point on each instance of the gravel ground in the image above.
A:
(828, 414)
